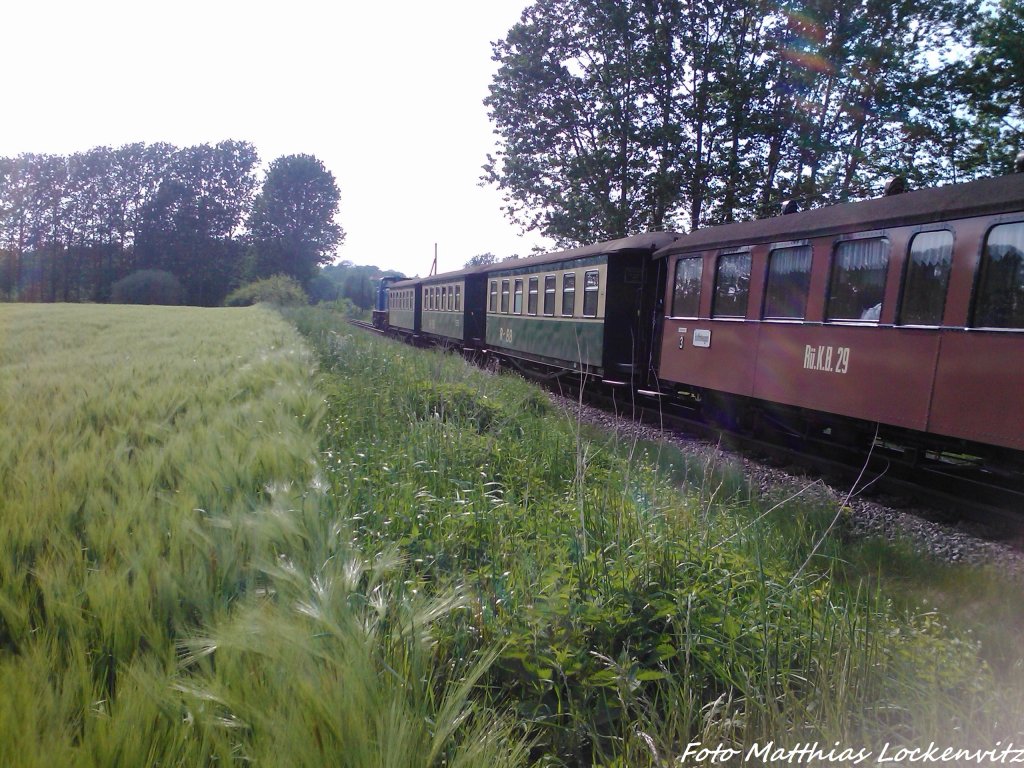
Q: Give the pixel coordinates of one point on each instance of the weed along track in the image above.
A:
(630, 600)
(223, 544)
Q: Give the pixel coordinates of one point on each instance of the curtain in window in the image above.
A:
(853, 255)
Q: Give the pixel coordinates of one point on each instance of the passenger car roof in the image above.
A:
(955, 201)
(648, 241)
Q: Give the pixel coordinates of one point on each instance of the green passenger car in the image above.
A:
(589, 309)
(404, 307)
(453, 309)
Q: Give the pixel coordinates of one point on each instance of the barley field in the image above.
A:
(159, 481)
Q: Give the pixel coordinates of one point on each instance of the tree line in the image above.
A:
(619, 116)
(73, 227)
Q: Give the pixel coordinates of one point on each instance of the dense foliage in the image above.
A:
(641, 599)
(619, 117)
(147, 286)
(280, 290)
(71, 227)
(354, 282)
(292, 226)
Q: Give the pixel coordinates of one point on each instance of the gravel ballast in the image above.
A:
(961, 542)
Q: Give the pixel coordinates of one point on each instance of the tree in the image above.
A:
(582, 105)
(993, 83)
(291, 228)
(480, 260)
(187, 227)
(355, 283)
(16, 212)
(617, 117)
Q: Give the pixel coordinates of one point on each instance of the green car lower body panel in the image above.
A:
(448, 324)
(402, 318)
(570, 343)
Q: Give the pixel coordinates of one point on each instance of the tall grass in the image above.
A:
(641, 599)
(175, 588)
(216, 548)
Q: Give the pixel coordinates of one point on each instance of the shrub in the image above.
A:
(147, 286)
(346, 308)
(281, 290)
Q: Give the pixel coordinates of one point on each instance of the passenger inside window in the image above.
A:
(858, 280)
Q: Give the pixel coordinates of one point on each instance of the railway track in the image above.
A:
(954, 492)
(365, 325)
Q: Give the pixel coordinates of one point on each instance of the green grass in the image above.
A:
(643, 599)
(223, 545)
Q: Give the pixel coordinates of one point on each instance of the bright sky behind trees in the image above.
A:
(388, 95)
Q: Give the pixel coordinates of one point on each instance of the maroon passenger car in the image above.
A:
(903, 314)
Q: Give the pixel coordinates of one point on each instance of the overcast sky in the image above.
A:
(387, 94)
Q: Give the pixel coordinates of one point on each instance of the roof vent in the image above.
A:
(1018, 164)
(897, 186)
(789, 206)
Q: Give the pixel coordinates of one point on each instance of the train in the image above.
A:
(895, 321)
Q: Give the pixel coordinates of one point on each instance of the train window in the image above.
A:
(732, 285)
(1000, 300)
(531, 300)
(591, 283)
(686, 294)
(568, 294)
(926, 278)
(445, 298)
(494, 296)
(549, 295)
(517, 298)
(858, 280)
(504, 297)
(458, 298)
(789, 278)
